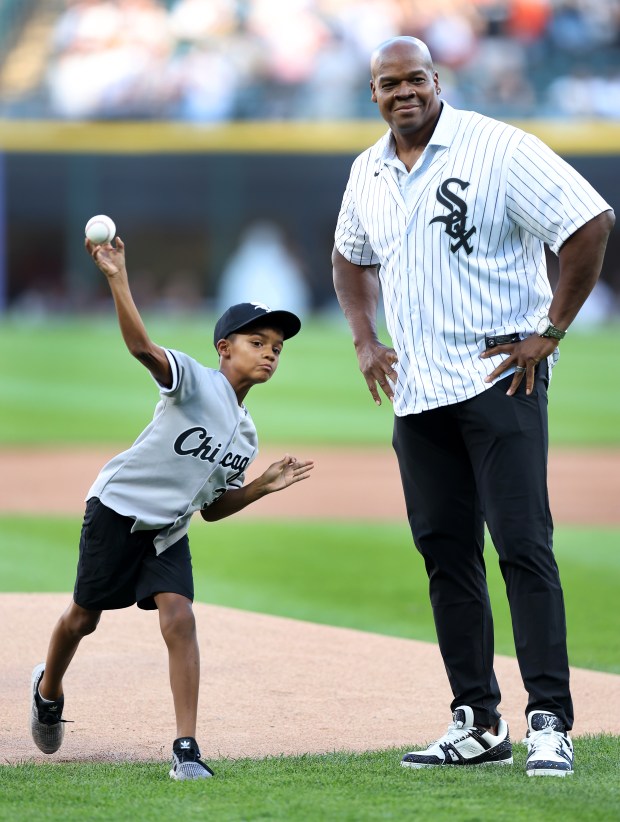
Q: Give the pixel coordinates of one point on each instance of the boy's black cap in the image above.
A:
(241, 315)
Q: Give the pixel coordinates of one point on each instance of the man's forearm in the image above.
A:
(357, 289)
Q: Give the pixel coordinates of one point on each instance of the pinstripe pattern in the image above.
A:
(444, 291)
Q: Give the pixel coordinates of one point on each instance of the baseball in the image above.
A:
(100, 229)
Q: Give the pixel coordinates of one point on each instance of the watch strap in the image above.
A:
(552, 331)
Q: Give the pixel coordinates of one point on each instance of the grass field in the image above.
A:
(332, 788)
(72, 383)
(358, 576)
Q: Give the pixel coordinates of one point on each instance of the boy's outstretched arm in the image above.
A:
(279, 475)
(111, 261)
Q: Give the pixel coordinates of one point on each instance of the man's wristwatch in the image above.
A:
(546, 328)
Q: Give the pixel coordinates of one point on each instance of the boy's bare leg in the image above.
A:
(73, 625)
(178, 628)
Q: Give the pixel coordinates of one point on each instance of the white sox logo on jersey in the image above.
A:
(455, 220)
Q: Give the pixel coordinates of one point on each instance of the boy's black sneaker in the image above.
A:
(186, 761)
(46, 723)
(464, 744)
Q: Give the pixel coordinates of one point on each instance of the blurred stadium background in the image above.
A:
(219, 133)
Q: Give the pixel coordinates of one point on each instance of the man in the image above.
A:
(450, 211)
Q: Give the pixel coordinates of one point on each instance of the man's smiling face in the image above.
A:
(405, 86)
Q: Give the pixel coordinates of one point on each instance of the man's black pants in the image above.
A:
(485, 460)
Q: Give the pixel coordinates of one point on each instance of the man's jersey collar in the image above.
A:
(442, 135)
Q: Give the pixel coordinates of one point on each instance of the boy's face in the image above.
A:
(254, 353)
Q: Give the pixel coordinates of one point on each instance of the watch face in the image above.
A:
(543, 325)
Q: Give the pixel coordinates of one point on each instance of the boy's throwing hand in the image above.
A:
(279, 475)
(108, 258)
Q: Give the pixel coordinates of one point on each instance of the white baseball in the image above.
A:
(100, 229)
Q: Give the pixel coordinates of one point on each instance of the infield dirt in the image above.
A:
(270, 685)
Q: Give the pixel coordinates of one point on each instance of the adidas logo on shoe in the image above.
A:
(550, 750)
(186, 761)
(464, 744)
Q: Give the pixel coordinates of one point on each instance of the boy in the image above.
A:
(192, 456)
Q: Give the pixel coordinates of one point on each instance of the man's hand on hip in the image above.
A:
(524, 356)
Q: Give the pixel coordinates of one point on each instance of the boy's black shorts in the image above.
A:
(117, 568)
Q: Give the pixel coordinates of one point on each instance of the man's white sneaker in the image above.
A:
(464, 744)
(549, 747)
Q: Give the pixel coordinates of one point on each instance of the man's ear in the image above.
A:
(373, 95)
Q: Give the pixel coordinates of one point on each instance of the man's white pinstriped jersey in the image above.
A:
(460, 244)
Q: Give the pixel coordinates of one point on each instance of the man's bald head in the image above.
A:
(403, 45)
(405, 86)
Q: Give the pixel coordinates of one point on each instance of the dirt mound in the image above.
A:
(269, 686)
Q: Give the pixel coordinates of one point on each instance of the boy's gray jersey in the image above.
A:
(198, 445)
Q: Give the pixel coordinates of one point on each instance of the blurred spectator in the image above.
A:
(364, 22)
(332, 90)
(496, 78)
(218, 60)
(205, 81)
(451, 35)
(573, 94)
(570, 27)
(87, 25)
(607, 102)
(583, 94)
(262, 269)
(527, 20)
(291, 36)
(110, 59)
(199, 20)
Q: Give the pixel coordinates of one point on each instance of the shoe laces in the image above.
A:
(50, 712)
(188, 755)
(456, 731)
(545, 740)
(46, 718)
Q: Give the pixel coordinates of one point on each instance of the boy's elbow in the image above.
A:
(151, 356)
(213, 512)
